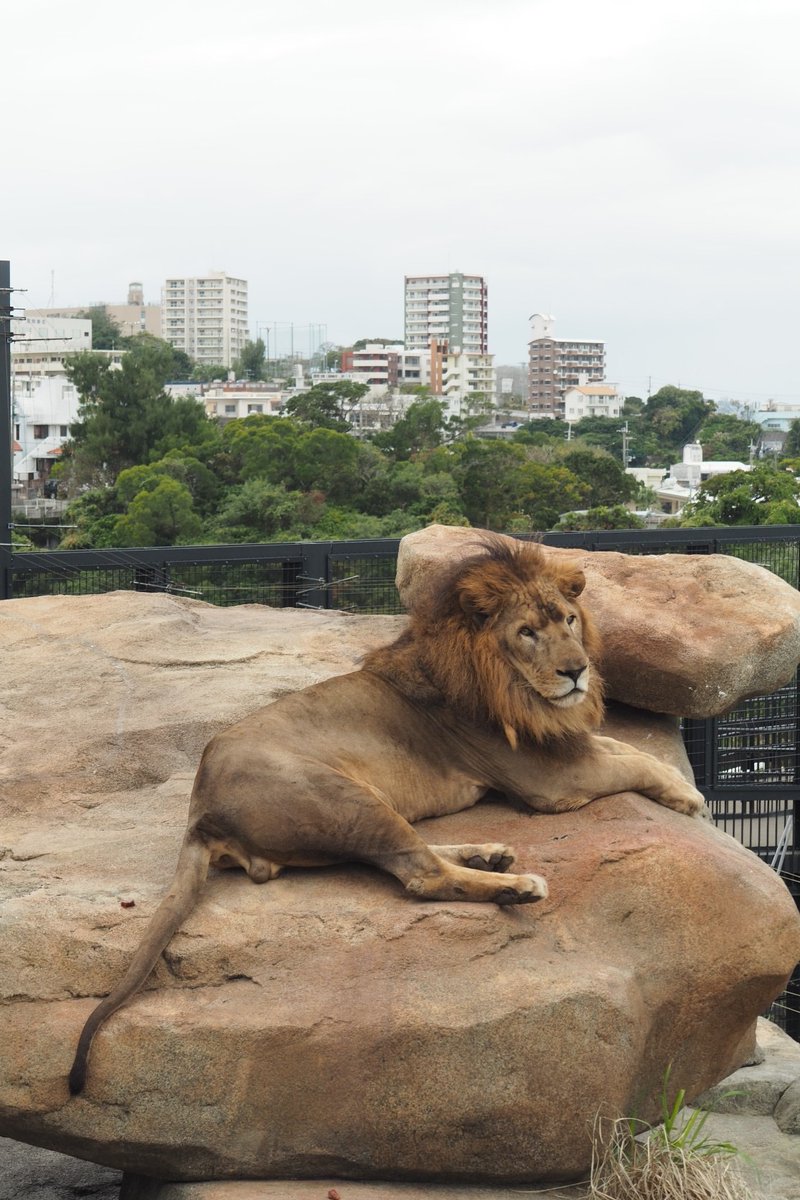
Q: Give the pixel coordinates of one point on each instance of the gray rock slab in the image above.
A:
(33, 1173)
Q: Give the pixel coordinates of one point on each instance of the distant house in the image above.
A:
(237, 399)
(592, 400)
(680, 485)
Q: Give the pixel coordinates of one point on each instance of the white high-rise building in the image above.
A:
(450, 309)
(206, 316)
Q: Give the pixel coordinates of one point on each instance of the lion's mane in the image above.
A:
(448, 656)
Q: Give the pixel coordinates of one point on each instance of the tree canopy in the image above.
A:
(327, 405)
(252, 362)
(763, 496)
(125, 417)
(106, 331)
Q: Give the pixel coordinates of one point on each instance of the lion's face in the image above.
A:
(504, 640)
(541, 636)
(526, 644)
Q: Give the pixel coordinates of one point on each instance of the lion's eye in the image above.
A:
(527, 632)
(571, 619)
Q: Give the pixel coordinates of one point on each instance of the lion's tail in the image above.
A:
(190, 875)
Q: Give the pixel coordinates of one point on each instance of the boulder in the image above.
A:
(686, 634)
(326, 1024)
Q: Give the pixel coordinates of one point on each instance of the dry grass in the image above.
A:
(661, 1165)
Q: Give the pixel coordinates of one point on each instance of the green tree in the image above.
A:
(106, 331)
(502, 488)
(259, 511)
(208, 372)
(201, 483)
(125, 417)
(545, 490)
(763, 496)
(791, 447)
(601, 475)
(161, 514)
(258, 446)
(93, 517)
(676, 415)
(422, 427)
(252, 362)
(614, 516)
(542, 431)
(327, 461)
(182, 365)
(725, 437)
(327, 405)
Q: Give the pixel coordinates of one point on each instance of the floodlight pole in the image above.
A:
(6, 457)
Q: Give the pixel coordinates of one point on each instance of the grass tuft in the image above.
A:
(674, 1161)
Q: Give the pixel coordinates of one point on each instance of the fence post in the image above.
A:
(313, 589)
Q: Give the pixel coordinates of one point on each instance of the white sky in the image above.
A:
(629, 165)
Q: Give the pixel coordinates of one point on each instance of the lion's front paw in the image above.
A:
(695, 802)
(522, 889)
(682, 796)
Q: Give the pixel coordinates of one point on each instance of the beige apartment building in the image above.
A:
(134, 316)
(206, 316)
(556, 364)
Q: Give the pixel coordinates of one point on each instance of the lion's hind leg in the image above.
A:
(490, 856)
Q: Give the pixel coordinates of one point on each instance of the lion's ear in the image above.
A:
(477, 602)
(472, 608)
(572, 582)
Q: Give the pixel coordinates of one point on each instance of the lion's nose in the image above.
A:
(573, 675)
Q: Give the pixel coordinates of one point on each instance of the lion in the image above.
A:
(493, 686)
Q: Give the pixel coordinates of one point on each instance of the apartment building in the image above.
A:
(134, 316)
(386, 366)
(206, 317)
(455, 376)
(377, 364)
(556, 364)
(451, 309)
(451, 375)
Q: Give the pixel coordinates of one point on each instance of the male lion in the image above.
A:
(491, 686)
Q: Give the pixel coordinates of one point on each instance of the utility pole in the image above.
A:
(625, 441)
(6, 456)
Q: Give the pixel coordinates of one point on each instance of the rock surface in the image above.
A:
(691, 635)
(326, 1024)
(768, 1159)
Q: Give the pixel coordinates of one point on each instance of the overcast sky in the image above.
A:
(630, 166)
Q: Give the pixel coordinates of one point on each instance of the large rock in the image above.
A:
(690, 635)
(326, 1023)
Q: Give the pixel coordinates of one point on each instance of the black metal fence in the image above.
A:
(746, 763)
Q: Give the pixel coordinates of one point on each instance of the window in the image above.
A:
(41, 431)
